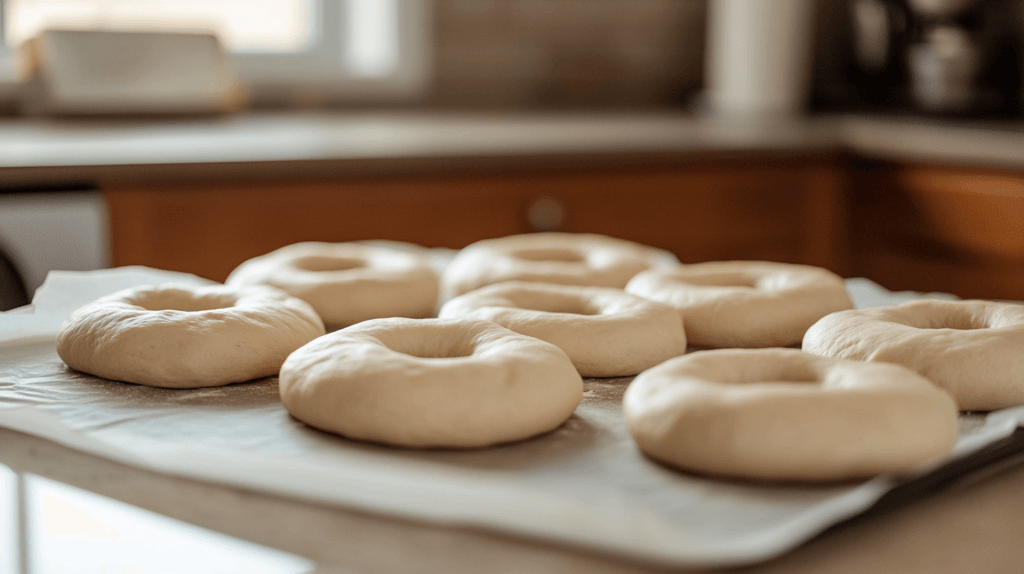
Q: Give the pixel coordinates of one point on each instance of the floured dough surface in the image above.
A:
(180, 336)
(781, 414)
(605, 332)
(973, 349)
(562, 258)
(745, 303)
(431, 383)
(347, 282)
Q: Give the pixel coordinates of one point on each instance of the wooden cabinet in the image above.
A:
(906, 226)
(782, 209)
(939, 228)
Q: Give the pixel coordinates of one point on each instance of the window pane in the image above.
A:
(243, 25)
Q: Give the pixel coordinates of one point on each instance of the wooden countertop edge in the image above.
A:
(968, 526)
(85, 177)
(331, 536)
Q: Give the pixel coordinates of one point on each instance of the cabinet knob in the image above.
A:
(545, 214)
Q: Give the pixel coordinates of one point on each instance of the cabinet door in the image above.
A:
(208, 229)
(784, 210)
(941, 228)
(787, 212)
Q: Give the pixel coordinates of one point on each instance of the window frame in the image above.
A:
(8, 73)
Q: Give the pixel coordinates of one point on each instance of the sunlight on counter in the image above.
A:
(71, 531)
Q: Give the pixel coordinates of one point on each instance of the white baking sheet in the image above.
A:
(584, 484)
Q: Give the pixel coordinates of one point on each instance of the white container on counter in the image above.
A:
(758, 60)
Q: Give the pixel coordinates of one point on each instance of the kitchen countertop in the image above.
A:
(972, 527)
(974, 143)
(968, 527)
(46, 152)
(36, 151)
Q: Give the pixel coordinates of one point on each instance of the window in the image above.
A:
(361, 49)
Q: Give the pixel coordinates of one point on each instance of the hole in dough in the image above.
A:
(578, 309)
(552, 302)
(961, 327)
(572, 307)
(722, 280)
(431, 349)
(325, 263)
(762, 374)
(183, 301)
(959, 322)
(550, 254)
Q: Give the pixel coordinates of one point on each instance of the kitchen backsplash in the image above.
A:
(561, 53)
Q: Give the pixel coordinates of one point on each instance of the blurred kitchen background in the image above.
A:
(879, 138)
(930, 56)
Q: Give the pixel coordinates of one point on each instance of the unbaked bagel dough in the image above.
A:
(180, 336)
(448, 383)
(781, 414)
(973, 349)
(563, 258)
(745, 303)
(606, 332)
(347, 282)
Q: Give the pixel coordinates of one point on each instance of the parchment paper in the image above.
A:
(584, 484)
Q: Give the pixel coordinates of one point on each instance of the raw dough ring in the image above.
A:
(458, 383)
(606, 332)
(745, 303)
(564, 258)
(781, 414)
(347, 282)
(179, 336)
(973, 349)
